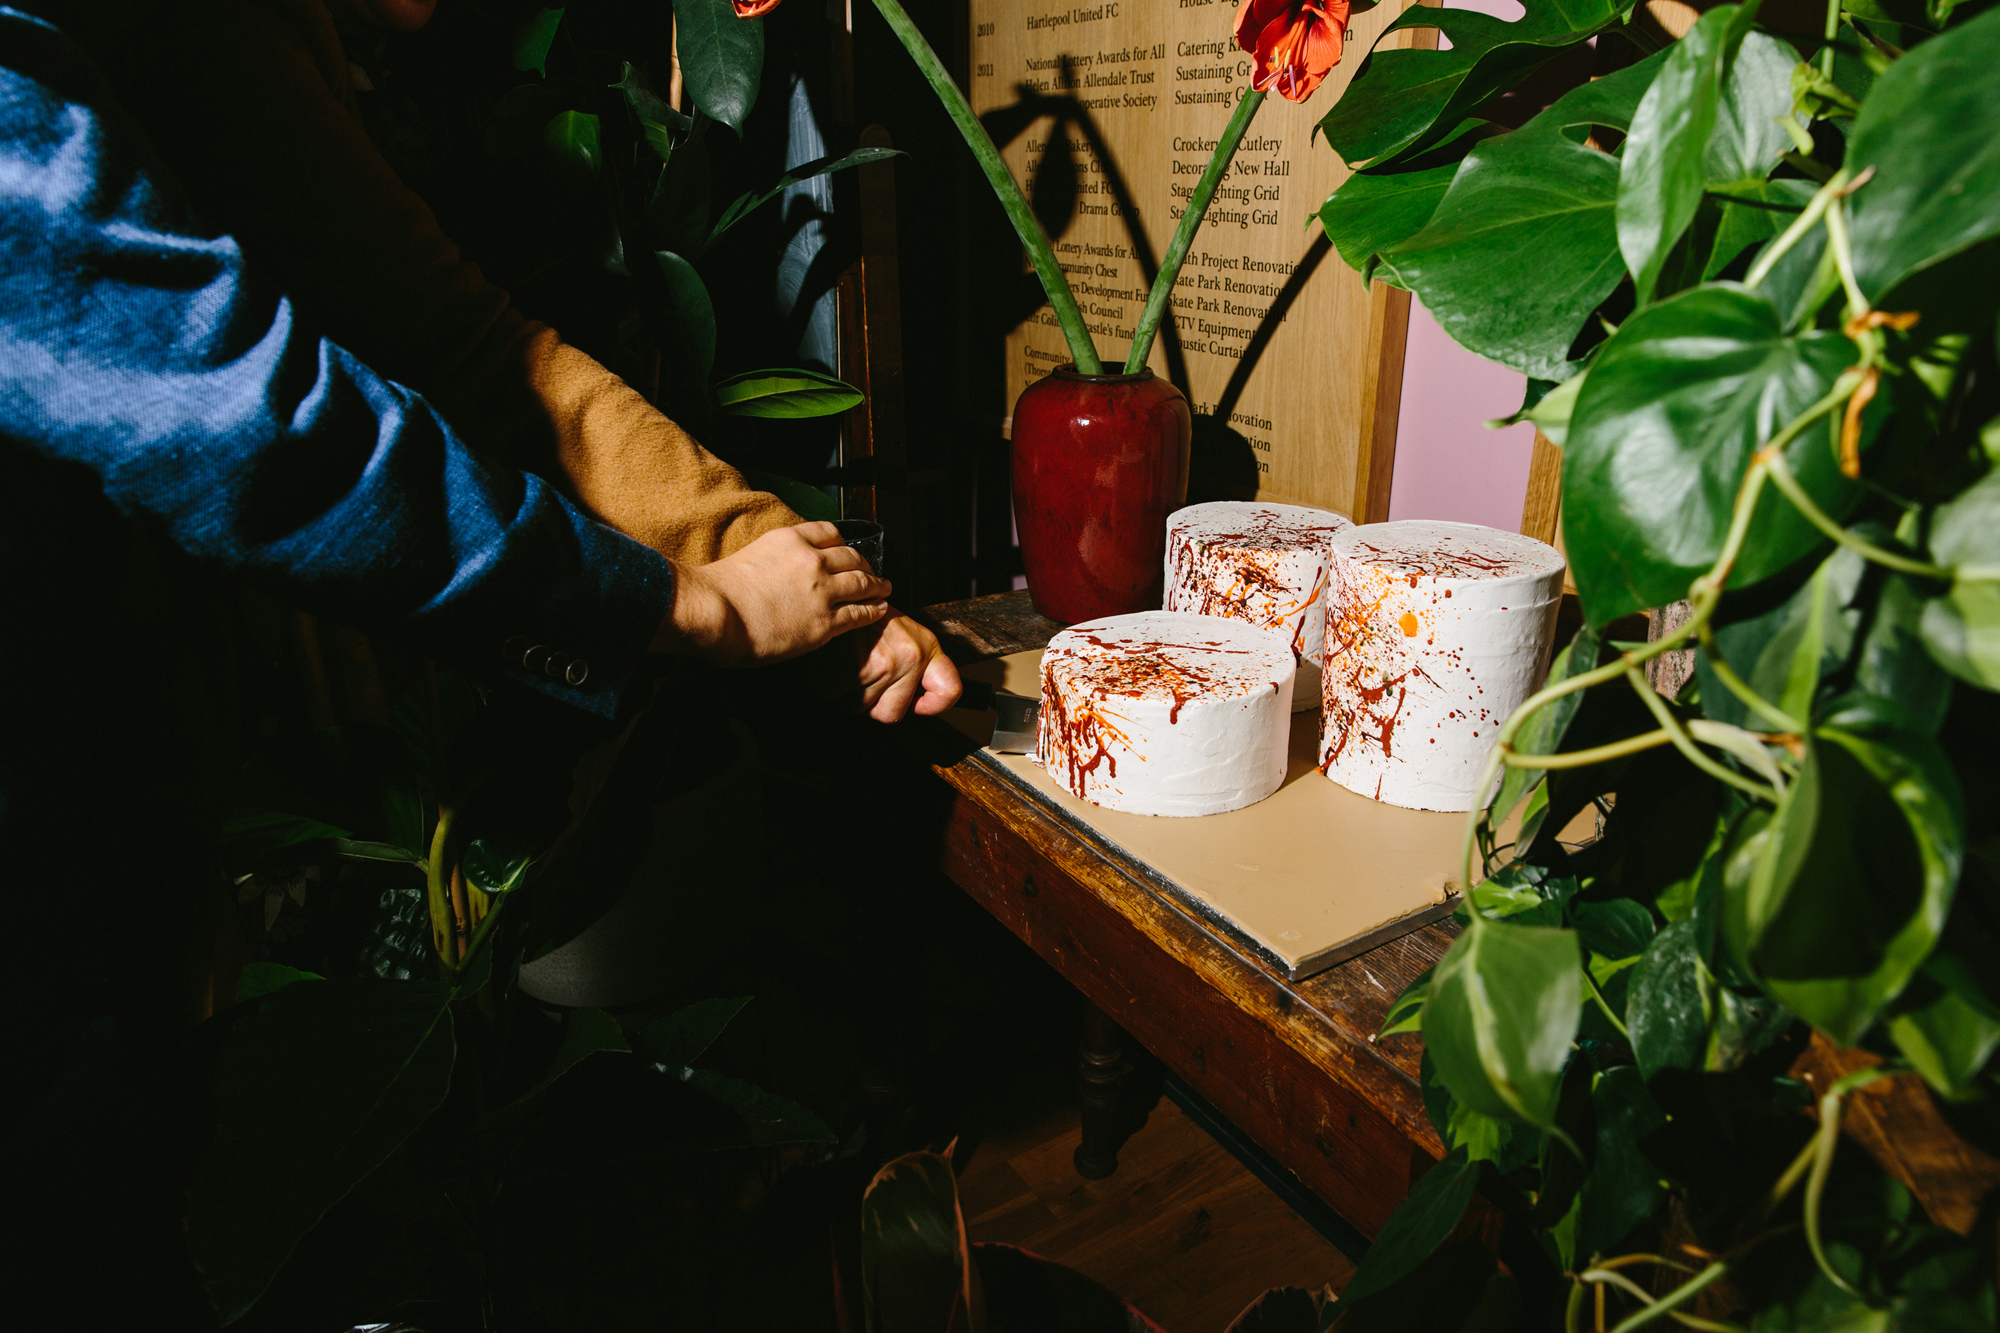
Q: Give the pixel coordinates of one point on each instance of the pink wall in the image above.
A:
(1448, 465)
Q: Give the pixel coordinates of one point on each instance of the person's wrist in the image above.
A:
(699, 620)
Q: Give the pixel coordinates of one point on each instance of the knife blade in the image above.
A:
(1017, 718)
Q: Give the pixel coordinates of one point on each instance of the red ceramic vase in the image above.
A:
(1099, 463)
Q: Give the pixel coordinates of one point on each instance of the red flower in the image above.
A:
(753, 9)
(1297, 42)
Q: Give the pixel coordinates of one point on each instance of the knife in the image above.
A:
(1017, 719)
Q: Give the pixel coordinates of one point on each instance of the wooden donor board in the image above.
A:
(1136, 92)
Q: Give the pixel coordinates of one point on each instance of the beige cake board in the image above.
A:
(1311, 875)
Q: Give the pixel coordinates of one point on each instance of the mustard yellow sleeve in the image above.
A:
(252, 106)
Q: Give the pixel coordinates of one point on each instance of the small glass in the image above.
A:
(865, 536)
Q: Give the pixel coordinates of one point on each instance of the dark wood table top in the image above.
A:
(1329, 1019)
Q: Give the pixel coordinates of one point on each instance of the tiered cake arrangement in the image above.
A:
(1264, 563)
(1161, 713)
(1435, 632)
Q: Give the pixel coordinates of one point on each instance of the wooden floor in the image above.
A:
(1182, 1230)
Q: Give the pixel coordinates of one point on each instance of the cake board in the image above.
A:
(1308, 877)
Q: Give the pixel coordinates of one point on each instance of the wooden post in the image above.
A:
(1102, 1067)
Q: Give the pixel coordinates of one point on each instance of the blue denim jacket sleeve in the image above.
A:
(133, 345)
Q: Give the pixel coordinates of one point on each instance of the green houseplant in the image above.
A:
(1751, 275)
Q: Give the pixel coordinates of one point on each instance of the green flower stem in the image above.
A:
(1036, 241)
(1815, 210)
(1832, 31)
(1197, 209)
(1781, 473)
(479, 934)
(1685, 743)
(444, 931)
(1739, 687)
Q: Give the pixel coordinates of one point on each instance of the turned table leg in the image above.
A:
(1102, 1068)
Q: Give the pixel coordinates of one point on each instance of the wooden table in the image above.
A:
(1289, 1062)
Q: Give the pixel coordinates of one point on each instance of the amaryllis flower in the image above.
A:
(1297, 42)
(753, 9)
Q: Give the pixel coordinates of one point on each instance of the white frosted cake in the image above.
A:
(1435, 632)
(1161, 713)
(1264, 563)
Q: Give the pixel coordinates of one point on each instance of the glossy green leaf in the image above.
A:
(1524, 245)
(1962, 631)
(660, 124)
(808, 502)
(722, 58)
(786, 394)
(1618, 928)
(1419, 1225)
(1682, 136)
(1850, 892)
(491, 868)
(1503, 1008)
(1930, 130)
(585, 1032)
(915, 1261)
(1743, 1026)
(693, 314)
(1677, 402)
(1892, 659)
(1668, 1004)
(1401, 98)
(265, 978)
(1407, 1013)
(1623, 1188)
(1962, 627)
(313, 1091)
(681, 1037)
(575, 138)
(1543, 732)
(746, 204)
(1950, 1036)
(1781, 639)
(398, 943)
(1380, 208)
(770, 1119)
(536, 36)
(249, 832)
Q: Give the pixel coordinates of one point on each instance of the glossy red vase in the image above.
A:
(1099, 463)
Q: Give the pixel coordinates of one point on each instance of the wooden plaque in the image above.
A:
(1274, 332)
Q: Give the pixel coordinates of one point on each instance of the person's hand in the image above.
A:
(784, 594)
(898, 657)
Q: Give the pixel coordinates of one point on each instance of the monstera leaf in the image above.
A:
(1524, 244)
(1405, 98)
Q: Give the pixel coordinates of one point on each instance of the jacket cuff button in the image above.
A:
(576, 673)
(536, 658)
(511, 651)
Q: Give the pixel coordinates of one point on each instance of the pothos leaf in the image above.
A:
(1417, 1227)
(1676, 403)
(1503, 1009)
(1850, 890)
(786, 394)
(1930, 129)
(1674, 148)
(681, 1037)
